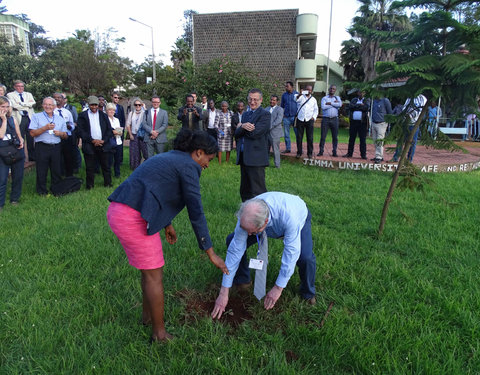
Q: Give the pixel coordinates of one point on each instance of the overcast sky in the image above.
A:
(61, 19)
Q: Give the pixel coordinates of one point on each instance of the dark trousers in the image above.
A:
(332, 124)
(25, 133)
(115, 159)
(102, 157)
(360, 128)
(68, 153)
(307, 263)
(252, 182)
(306, 126)
(47, 156)
(17, 180)
(137, 148)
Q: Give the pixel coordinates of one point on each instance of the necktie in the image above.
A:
(21, 97)
(259, 287)
(154, 118)
(60, 113)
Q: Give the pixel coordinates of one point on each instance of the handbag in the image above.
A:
(141, 131)
(296, 115)
(10, 154)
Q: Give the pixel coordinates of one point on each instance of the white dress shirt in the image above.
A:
(95, 130)
(309, 110)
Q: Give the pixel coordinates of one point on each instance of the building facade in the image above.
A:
(278, 44)
(15, 31)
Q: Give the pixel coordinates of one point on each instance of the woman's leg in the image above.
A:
(219, 157)
(153, 292)
(227, 156)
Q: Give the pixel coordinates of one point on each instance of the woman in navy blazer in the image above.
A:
(148, 201)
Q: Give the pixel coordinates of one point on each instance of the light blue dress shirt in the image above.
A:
(288, 214)
(41, 119)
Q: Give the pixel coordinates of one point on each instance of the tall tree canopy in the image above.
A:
(375, 15)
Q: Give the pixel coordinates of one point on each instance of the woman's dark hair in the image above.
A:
(189, 141)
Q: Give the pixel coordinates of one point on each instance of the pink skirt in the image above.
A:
(143, 251)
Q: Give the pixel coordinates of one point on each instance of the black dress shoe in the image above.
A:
(298, 156)
(320, 153)
(334, 154)
(309, 156)
(285, 151)
(347, 155)
(364, 157)
(373, 159)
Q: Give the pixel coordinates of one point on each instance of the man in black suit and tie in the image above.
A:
(95, 131)
(252, 147)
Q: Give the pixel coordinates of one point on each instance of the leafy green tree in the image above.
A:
(375, 16)
(180, 53)
(223, 79)
(86, 66)
(188, 27)
(449, 73)
(351, 61)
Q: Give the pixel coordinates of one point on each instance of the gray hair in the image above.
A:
(255, 211)
(49, 98)
(224, 102)
(4, 89)
(110, 106)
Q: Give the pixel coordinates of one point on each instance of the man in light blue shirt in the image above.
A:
(280, 215)
(48, 130)
(330, 105)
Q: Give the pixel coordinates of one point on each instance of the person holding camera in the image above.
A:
(190, 115)
(306, 115)
(10, 135)
(48, 130)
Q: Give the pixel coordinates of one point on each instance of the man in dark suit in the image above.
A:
(95, 131)
(237, 117)
(155, 124)
(252, 147)
(359, 108)
(190, 115)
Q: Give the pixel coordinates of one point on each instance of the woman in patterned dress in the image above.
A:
(223, 125)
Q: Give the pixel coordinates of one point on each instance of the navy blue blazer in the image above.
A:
(83, 126)
(161, 187)
(255, 143)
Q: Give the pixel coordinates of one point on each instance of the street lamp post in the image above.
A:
(153, 51)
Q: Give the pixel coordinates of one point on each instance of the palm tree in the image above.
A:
(376, 15)
(180, 53)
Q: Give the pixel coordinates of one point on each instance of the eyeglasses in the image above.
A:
(137, 105)
(155, 102)
(116, 97)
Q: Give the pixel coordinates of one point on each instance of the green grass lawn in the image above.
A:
(407, 303)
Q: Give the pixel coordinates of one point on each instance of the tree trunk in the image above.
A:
(401, 162)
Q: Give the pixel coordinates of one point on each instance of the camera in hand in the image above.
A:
(189, 109)
(16, 142)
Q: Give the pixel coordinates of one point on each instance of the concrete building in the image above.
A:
(16, 31)
(279, 44)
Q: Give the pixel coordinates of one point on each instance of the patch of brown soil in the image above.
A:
(200, 305)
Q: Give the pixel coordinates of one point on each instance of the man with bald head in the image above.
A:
(279, 215)
(47, 130)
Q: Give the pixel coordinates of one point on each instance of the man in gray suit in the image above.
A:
(276, 129)
(155, 124)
